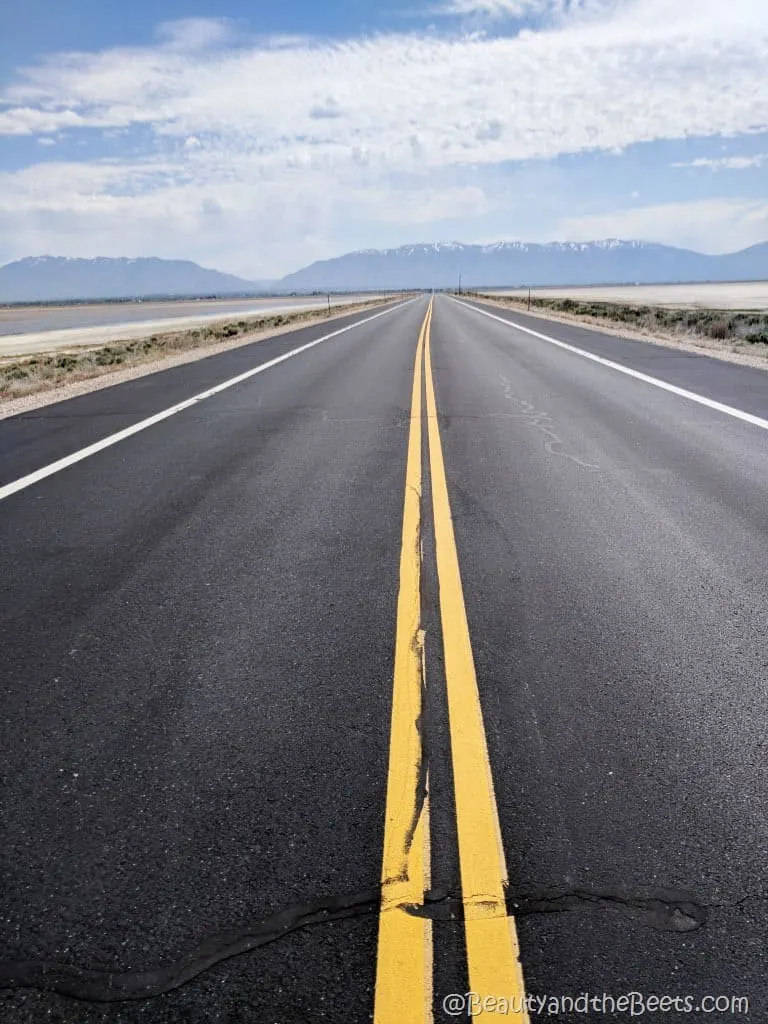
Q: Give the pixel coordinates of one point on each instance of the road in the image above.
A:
(295, 634)
(29, 329)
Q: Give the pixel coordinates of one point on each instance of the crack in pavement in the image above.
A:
(422, 769)
(418, 650)
(543, 422)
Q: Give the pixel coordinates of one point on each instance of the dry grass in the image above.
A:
(26, 375)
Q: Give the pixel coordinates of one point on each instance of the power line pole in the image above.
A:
(459, 284)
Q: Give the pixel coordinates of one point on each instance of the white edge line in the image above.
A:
(69, 460)
(710, 403)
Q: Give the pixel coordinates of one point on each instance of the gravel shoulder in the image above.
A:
(754, 355)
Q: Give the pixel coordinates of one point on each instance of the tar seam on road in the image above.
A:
(664, 910)
(493, 954)
(404, 959)
(710, 403)
(106, 442)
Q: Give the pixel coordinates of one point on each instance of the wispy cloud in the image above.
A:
(189, 34)
(726, 163)
(547, 93)
(290, 139)
(500, 9)
(730, 224)
(497, 8)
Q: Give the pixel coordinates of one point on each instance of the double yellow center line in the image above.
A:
(404, 963)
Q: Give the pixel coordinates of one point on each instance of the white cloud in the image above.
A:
(30, 121)
(707, 225)
(266, 230)
(498, 9)
(424, 205)
(730, 163)
(292, 145)
(195, 33)
(327, 108)
(624, 80)
(253, 232)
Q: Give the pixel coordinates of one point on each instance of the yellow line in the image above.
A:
(404, 961)
(493, 954)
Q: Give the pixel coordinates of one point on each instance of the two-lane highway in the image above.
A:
(341, 668)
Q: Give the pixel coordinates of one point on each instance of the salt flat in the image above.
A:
(29, 329)
(739, 295)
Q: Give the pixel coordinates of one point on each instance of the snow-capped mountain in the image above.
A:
(511, 264)
(62, 278)
(424, 265)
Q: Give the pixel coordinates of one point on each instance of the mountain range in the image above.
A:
(427, 265)
(64, 278)
(517, 264)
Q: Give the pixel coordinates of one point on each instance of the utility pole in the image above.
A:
(529, 298)
(329, 303)
(459, 284)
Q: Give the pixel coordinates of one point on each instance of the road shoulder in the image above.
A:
(110, 376)
(700, 347)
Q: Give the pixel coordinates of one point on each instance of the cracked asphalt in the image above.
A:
(196, 689)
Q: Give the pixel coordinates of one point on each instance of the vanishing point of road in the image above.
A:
(419, 654)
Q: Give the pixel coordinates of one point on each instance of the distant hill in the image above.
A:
(62, 278)
(438, 265)
(428, 265)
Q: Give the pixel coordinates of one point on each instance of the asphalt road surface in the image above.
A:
(339, 671)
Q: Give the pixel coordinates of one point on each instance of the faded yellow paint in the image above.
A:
(404, 961)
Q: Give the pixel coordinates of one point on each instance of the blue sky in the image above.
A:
(38, 27)
(259, 137)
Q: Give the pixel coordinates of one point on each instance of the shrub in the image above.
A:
(720, 330)
(15, 373)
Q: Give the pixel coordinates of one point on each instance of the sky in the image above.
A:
(258, 137)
